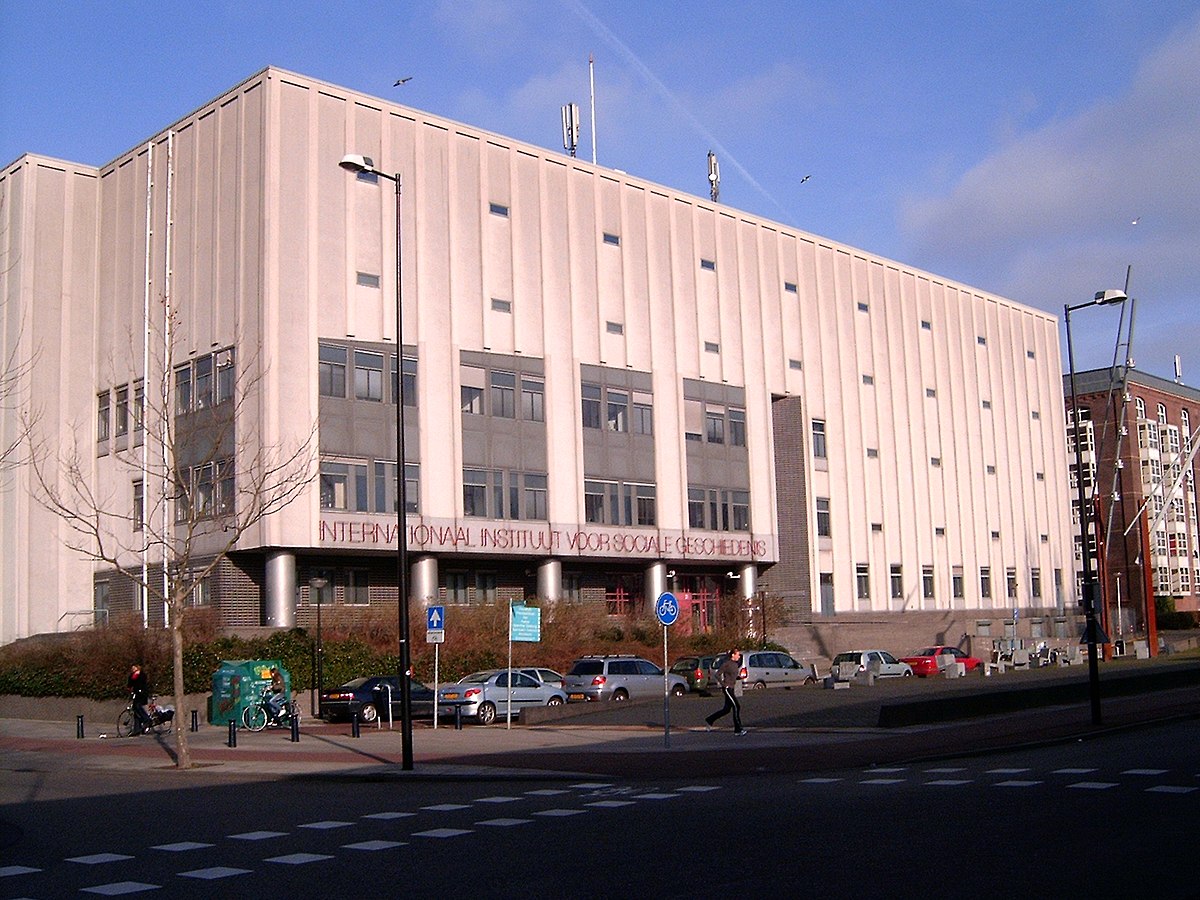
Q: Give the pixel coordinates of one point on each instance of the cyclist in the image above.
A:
(278, 695)
(139, 688)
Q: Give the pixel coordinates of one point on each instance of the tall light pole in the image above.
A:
(1091, 589)
(316, 588)
(354, 163)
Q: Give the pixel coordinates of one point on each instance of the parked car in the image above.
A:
(924, 662)
(485, 695)
(619, 678)
(545, 676)
(370, 694)
(766, 668)
(849, 663)
(694, 669)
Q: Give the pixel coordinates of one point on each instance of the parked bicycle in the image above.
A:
(259, 715)
(158, 719)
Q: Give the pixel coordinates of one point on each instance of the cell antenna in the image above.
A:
(714, 177)
(570, 127)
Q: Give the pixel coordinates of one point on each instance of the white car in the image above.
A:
(851, 662)
(485, 695)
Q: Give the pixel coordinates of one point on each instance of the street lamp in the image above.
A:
(364, 164)
(1091, 589)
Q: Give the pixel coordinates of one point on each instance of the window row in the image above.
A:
(616, 409)
(368, 486)
(361, 372)
(204, 382)
(714, 423)
(619, 503)
(118, 412)
(504, 494)
(497, 393)
(718, 509)
(896, 585)
(203, 492)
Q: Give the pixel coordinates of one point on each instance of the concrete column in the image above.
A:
(279, 602)
(748, 582)
(423, 579)
(656, 581)
(549, 580)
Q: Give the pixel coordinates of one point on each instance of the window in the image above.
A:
(503, 306)
(366, 279)
(457, 590)
(368, 376)
(1030, 354)
(712, 347)
(818, 439)
(593, 502)
(475, 482)
(739, 502)
(536, 506)
(139, 407)
(696, 507)
(618, 410)
(868, 379)
(1035, 583)
(824, 518)
(1036, 415)
(504, 396)
(926, 325)
(225, 376)
(358, 591)
(794, 364)
(897, 582)
(872, 453)
(645, 510)
(935, 461)
(927, 582)
(121, 420)
(226, 486)
(612, 239)
(614, 327)
(981, 340)
(201, 594)
(1162, 414)
(102, 416)
(1010, 583)
(714, 425)
(709, 265)
(790, 287)
(591, 405)
(877, 527)
(930, 392)
(331, 371)
(991, 470)
(737, 427)
(863, 307)
(410, 381)
(956, 583)
(643, 414)
(498, 209)
(344, 486)
(472, 400)
(139, 505)
(183, 390)
(987, 404)
(1039, 476)
(985, 582)
(862, 581)
(533, 399)
(368, 177)
(203, 369)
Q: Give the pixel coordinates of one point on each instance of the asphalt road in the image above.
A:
(1104, 818)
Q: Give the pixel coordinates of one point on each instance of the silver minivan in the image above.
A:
(618, 678)
(767, 668)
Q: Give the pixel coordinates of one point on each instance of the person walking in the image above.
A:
(727, 678)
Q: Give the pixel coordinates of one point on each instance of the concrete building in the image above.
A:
(610, 387)
(1138, 441)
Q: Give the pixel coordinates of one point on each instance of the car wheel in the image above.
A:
(555, 701)
(620, 695)
(908, 673)
(368, 713)
(760, 685)
(487, 713)
(678, 690)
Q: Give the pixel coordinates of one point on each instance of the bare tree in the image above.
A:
(15, 417)
(206, 478)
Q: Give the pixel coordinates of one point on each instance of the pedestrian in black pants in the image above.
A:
(727, 678)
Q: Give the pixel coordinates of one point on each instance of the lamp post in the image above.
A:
(1091, 589)
(316, 588)
(364, 164)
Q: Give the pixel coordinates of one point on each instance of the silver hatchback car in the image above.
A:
(618, 678)
(851, 662)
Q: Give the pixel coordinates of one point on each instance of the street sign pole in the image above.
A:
(666, 608)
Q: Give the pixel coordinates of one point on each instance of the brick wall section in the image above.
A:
(793, 568)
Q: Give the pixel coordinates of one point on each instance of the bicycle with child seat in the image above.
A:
(158, 719)
(259, 715)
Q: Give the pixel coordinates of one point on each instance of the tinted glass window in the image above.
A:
(622, 667)
(587, 667)
(645, 667)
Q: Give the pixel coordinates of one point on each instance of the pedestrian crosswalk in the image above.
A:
(1156, 781)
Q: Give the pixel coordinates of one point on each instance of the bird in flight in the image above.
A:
(805, 178)
(1135, 221)
(401, 81)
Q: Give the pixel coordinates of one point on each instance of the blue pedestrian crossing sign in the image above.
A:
(435, 625)
(666, 608)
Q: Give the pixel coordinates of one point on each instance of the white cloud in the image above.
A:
(1046, 219)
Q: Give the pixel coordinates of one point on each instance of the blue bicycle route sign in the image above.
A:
(666, 608)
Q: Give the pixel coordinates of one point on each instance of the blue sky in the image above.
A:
(1008, 145)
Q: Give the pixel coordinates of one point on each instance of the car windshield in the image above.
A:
(928, 651)
(845, 657)
(476, 678)
(355, 684)
(587, 667)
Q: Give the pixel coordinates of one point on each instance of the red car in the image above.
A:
(924, 662)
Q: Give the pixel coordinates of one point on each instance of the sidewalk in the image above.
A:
(596, 744)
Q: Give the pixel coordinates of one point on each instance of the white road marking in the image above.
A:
(700, 788)
(1016, 783)
(546, 792)
(298, 859)
(214, 872)
(1093, 785)
(820, 781)
(497, 799)
(654, 796)
(1170, 789)
(882, 781)
(118, 888)
(560, 812)
(442, 832)
(326, 825)
(445, 807)
(97, 858)
(504, 823)
(950, 782)
(257, 835)
(1006, 771)
(1144, 772)
(610, 804)
(388, 815)
(181, 846)
(1072, 771)
(5, 871)
(373, 845)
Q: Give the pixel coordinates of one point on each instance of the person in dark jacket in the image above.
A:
(139, 689)
(727, 678)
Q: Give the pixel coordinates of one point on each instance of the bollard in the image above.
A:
(295, 729)
(458, 717)
(354, 723)
(232, 732)
(195, 720)
(79, 727)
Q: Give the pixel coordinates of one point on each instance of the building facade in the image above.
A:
(609, 387)
(1138, 438)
